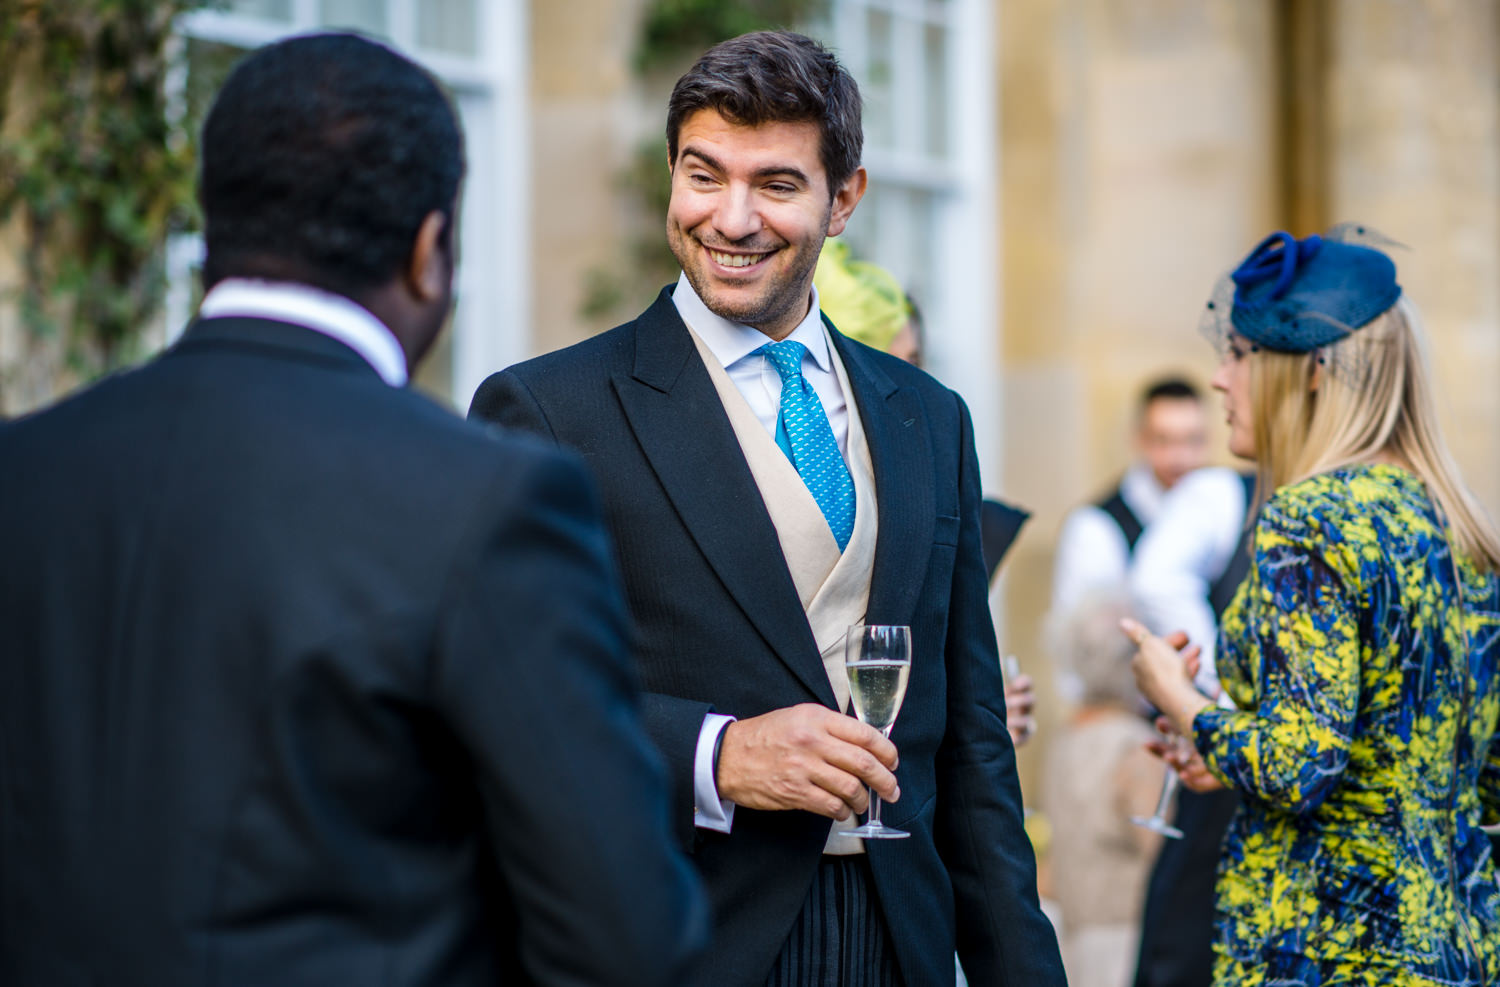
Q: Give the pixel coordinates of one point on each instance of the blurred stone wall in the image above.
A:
(1146, 146)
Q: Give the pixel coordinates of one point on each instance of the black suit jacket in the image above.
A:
(719, 627)
(305, 681)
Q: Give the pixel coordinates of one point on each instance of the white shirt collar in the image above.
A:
(332, 315)
(731, 342)
(1141, 492)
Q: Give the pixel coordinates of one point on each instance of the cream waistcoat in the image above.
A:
(834, 587)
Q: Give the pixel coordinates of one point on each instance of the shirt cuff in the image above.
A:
(710, 811)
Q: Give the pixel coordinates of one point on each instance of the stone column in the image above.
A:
(1414, 150)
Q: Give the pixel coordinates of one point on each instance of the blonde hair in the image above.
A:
(1373, 400)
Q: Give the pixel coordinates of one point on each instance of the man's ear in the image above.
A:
(845, 198)
(430, 271)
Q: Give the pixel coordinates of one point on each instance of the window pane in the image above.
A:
(894, 227)
(449, 25)
(208, 65)
(362, 15)
(935, 68)
(271, 10)
(880, 128)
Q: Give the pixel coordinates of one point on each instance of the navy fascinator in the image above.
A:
(1296, 296)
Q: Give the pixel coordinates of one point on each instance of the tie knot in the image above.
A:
(786, 357)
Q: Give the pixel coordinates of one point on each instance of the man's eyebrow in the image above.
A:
(771, 171)
(703, 156)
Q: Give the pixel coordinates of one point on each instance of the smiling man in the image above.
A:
(769, 483)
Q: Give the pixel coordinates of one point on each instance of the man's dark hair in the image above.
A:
(1170, 389)
(775, 77)
(320, 158)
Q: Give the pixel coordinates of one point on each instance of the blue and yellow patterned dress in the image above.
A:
(1362, 746)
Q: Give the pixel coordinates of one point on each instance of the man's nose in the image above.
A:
(737, 215)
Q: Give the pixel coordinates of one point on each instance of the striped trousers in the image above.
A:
(839, 938)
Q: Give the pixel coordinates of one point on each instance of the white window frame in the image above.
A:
(962, 312)
(491, 321)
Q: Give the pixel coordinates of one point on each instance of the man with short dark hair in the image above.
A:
(769, 483)
(303, 681)
(1097, 539)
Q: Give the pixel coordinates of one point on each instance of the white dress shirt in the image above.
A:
(332, 315)
(753, 374)
(1182, 554)
(1092, 553)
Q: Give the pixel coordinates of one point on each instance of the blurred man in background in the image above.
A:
(1098, 539)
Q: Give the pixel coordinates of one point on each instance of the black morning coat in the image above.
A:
(719, 627)
(305, 681)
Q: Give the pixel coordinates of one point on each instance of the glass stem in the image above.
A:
(874, 817)
(1168, 787)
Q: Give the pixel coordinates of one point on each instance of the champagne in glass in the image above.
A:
(877, 658)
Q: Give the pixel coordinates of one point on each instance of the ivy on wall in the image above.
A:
(94, 173)
(673, 29)
(673, 34)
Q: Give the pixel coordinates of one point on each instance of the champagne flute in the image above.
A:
(877, 658)
(1157, 821)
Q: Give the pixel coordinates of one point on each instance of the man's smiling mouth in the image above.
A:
(736, 260)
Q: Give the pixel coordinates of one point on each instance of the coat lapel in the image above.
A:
(896, 431)
(681, 424)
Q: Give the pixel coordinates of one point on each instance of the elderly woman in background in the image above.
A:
(1099, 774)
(1361, 651)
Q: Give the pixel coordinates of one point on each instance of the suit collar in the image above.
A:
(676, 415)
(662, 346)
(304, 305)
(897, 434)
(278, 340)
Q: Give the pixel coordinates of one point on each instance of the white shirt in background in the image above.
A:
(1197, 529)
(1092, 553)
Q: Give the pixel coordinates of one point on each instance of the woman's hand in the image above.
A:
(1163, 670)
(1183, 758)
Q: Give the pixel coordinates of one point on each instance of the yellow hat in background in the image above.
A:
(864, 301)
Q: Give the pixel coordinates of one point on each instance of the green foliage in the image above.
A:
(676, 28)
(92, 166)
(648, 263)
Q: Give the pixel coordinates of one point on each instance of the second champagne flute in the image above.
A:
(877, 658)
(1157, 821)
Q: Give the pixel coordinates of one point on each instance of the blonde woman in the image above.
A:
(1361, 651)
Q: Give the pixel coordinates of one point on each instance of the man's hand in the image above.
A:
(1020, 700)
(806, 757)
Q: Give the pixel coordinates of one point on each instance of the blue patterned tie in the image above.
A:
(810, 444)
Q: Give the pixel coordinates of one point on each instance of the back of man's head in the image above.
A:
(775, 77)
(321, 156)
